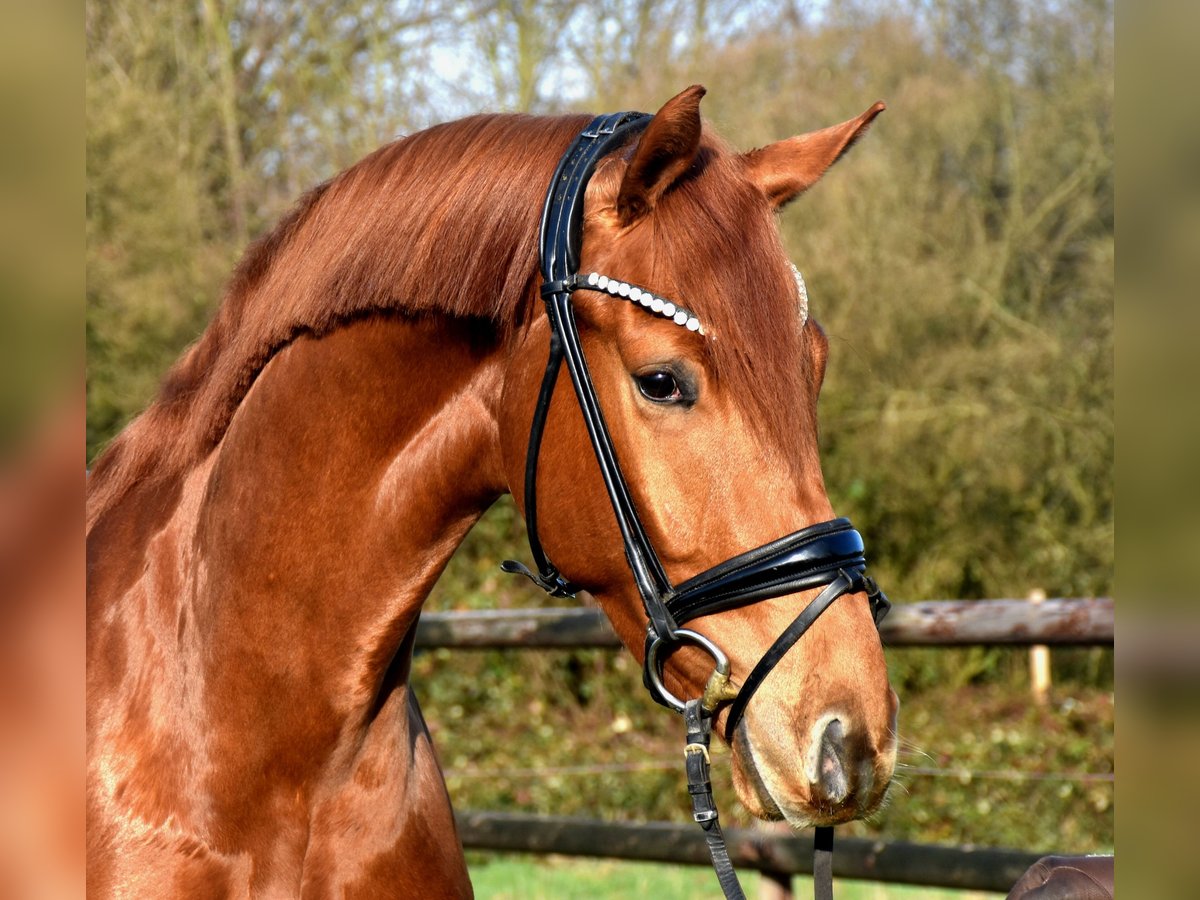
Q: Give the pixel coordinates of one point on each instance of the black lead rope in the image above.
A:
(823, 863)
(704, 808)
(828, 555)
(704, 811)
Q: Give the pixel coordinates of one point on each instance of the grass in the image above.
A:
(560, 878)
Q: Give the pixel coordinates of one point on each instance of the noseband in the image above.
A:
(828, 554)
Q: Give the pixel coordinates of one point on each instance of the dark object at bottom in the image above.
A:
(1066, 878)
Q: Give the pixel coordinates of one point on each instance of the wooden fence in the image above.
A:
(778, 856)
(681, 843)
(937, 623)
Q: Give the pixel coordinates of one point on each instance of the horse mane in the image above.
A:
(399, 231)
(443, 221)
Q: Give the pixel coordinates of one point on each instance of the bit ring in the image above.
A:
(715, 691)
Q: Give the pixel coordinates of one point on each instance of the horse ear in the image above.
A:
(667, 148)
(786, 169)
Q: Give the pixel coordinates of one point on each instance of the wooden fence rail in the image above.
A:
(965, 868)
(938, 623)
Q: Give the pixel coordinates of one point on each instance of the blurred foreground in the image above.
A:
(41, 443)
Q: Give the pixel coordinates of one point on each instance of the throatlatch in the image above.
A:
(828, 554)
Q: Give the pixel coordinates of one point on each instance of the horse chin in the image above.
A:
(749, 786)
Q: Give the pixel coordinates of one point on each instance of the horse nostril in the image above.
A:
(831, 767)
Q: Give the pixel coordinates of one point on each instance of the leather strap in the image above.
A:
(704, 808)
(561, 235)
(648, 573)
(846, 582)
(823, 863)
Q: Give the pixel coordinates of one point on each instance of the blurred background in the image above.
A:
(961, 260)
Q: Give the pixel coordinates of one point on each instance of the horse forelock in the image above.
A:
(736, 269)
(713, 245)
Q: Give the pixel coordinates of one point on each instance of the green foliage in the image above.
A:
(967, 417)
(972, 347)
(981, 735)
(156, 249)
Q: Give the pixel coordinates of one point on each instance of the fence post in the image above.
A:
(1039, 661)
(774, 885)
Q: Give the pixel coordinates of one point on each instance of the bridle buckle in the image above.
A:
(718, 690)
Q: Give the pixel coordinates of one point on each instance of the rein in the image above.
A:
(828, 554)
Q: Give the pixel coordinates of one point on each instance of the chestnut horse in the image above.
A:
(261, 539)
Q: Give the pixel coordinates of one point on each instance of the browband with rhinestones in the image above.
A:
(594, 281)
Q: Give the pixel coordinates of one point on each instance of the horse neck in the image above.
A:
(270, 611)
(352, 470)
(250, 629)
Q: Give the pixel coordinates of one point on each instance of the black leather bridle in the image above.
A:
(828, 554)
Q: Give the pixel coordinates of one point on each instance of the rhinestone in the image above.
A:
(668, 309)
(592, 279)
(635, 293)
(803, 292)
(657, 304)
(646, 299)
(693, 324)
(612, 286)
(602, 282)
(681, 318)
(623, 290)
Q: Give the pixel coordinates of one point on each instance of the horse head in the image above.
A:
(709, 390)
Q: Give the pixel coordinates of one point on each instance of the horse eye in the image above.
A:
(659, 386)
